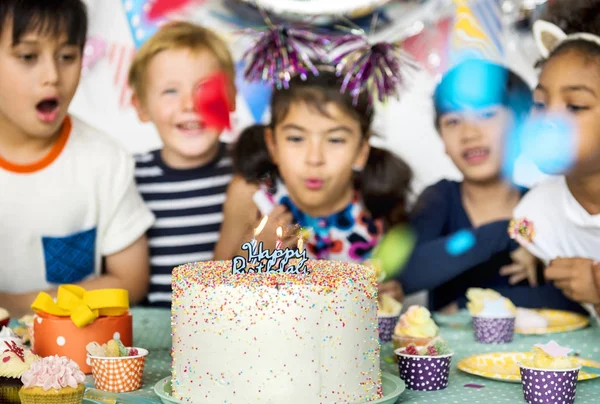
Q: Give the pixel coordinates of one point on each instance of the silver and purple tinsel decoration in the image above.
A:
(281, 52)
(377, 69)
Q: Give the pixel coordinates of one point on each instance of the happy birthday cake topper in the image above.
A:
(261, 260)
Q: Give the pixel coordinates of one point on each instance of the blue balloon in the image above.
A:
(512, 152)
(460, 242)
(473, 84)
(256, 94)
(550, 142)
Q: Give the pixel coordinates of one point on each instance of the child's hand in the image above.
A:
(575, 277)
(596, 272)
(392, 288)
(17, 304)
(280, 216)
(524, 266)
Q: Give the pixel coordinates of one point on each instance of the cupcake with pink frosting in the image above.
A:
(54, 379)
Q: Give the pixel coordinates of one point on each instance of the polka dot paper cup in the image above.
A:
(549, 386)
(118, 375)
(494, 330)
(387, 323)
(424, 373)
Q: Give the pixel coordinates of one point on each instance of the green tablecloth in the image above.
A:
(152, 331)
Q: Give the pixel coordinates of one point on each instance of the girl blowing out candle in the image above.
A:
(327, 178)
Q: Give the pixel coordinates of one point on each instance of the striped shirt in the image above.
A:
(188, 205)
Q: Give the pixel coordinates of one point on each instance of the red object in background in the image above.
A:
(433, 39)
(159, 8)
(211, 102)
(4, 322)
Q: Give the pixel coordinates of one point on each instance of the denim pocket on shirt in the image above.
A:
(70, 258)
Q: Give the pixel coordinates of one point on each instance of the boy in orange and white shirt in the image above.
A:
(69, 208)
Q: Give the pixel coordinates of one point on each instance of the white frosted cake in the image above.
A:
(275, 338)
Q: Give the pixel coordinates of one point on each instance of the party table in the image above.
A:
(152, 328)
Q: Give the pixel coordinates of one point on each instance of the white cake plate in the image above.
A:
(392, 385)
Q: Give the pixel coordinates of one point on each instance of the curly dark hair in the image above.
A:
(573, 16)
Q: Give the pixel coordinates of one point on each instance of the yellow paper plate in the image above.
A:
(503, 366)
(558, 321)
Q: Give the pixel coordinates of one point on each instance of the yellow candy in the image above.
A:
(94, 349)
(112, 349)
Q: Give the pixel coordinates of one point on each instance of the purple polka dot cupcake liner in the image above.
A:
(494, 330)
(386, 327)
(541, 386)
(424, 373)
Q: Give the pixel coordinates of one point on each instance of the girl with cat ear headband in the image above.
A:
(564, 209)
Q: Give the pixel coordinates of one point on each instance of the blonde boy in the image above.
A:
(184, 183)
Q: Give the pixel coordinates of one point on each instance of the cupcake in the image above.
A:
(53, 380)
(116, 368)
(4, 317)
(550, 376)
(388, 314)
(493, 316)
(415, 327)
(425, 368)
(15, 359)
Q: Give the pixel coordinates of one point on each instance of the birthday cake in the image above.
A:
(294, 338)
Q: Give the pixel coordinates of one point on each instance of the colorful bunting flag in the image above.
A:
(93, 52)
(430, 47)
(477, 31)
(120, 57)
(140, 25)
(256, 94)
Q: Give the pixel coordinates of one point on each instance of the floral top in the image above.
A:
(349, 235)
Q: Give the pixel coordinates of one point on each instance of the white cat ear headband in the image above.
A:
(548, 37)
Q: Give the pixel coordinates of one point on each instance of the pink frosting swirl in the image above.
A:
(53, 372)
